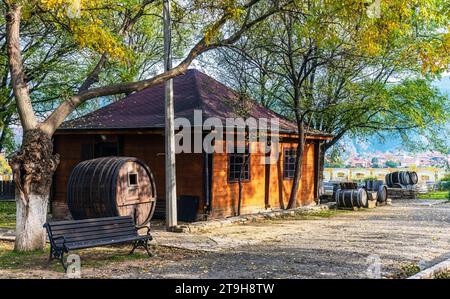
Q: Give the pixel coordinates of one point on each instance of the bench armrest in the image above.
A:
(60, 237)
(53, 239)
(50, 235)
(145, 226)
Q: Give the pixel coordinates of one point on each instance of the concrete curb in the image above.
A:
(430, 273)
(211, 224)
(7, 239)
(7, 235)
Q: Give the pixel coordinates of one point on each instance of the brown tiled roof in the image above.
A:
(192, 91)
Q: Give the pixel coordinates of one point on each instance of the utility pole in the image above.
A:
(171, 189)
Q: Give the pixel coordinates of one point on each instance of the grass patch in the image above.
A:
(311, 215)
(10, 259)
(91, 258)
(8, 214)
(442, 275)
(326, 213)
(435, 195)
(407, 270)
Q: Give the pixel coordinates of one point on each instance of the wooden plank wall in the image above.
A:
(69, 149)
(257, 194)
(149, 148)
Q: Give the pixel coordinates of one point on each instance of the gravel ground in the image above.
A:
(342, 246)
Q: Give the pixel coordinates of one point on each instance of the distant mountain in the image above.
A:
(393, 142)
(374, 144)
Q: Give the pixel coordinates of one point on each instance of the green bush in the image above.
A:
(444, 185)
(435, 195)
(446, 178)
(7, 214)
(371, 178)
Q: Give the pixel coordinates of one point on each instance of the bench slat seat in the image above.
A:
(101, 242)
(80, 234)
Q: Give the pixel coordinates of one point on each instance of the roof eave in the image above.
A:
(282, 131)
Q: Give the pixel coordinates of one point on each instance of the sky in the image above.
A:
(393, 143)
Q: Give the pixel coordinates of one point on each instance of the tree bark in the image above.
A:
(19, 84)
(241, 173)
(33, 167)
(298, 168)
(321, 166)
(30, 234)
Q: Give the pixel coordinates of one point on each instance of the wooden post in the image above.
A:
(171, 190)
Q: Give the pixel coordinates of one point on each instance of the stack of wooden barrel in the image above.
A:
(373, 193)
(352, 198)
(402, 184)
(377, 190)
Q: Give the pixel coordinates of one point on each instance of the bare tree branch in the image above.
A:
(19, 84)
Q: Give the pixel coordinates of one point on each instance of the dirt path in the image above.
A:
(341, 246)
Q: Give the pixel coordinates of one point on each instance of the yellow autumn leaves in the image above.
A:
(88, 22)
(95, 37)
(84, 19)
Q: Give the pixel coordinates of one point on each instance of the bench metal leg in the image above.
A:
(62, 261)
(141, 243)
(56, 255)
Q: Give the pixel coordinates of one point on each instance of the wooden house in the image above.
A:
(206, 182)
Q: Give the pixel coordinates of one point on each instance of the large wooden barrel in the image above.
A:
(352, 198)
(112, 186)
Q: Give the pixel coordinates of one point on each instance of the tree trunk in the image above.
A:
(297, 175)
(321, 166)
(298, 168)
(30, 234)
(33, 167)
(241, 173)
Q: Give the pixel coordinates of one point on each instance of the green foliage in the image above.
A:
(371, 178)
(8, 214)
(335, 159)
(446, 178)
(444, 184)
(391, 164)
(5, 169)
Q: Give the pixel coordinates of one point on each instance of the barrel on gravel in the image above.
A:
(414, 177)
(382, 194)
(351, 198)
(401, 178)
(373, 185)
(112, 186)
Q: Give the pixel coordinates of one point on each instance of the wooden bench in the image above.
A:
(65, 236)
